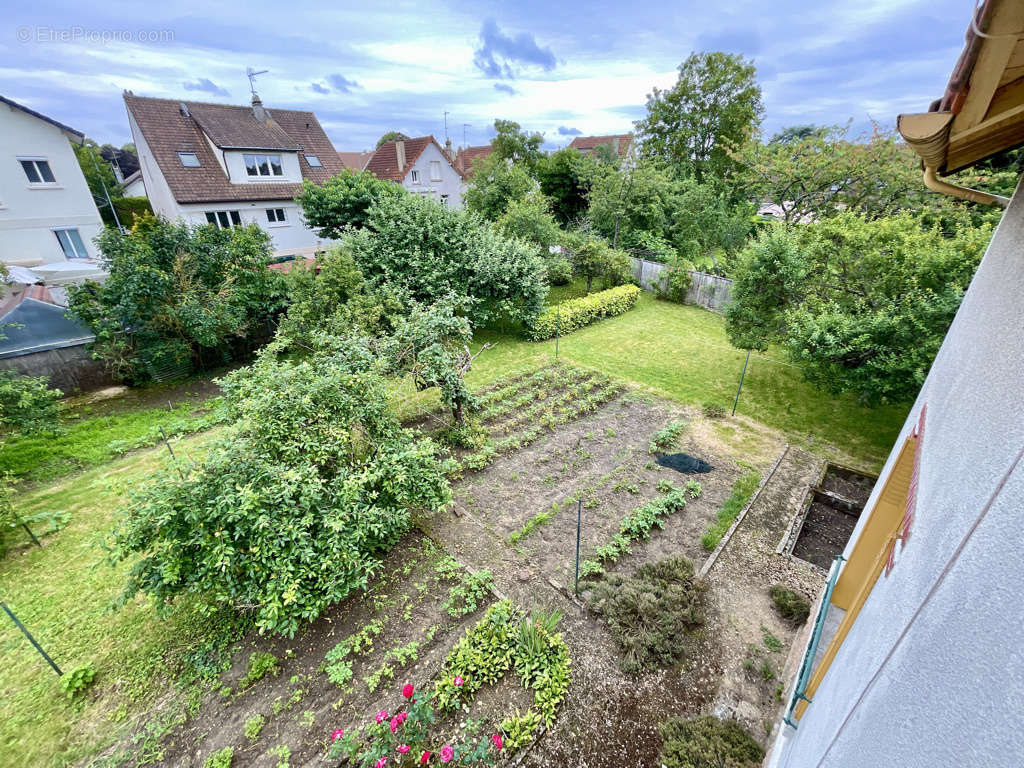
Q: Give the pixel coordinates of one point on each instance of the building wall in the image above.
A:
(291, 237)
(29, 213)
(450, 184)
(932, 672)
(67, 368)
(234, 161)
(136, 188)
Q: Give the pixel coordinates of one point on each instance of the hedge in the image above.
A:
(571, 315)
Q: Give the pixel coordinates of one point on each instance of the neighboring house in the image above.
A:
(355, 161)
(919, 643)
(230, 165)
(47, 213)
(133, 185)
(620, 143)
(467, 157)
(421, 166)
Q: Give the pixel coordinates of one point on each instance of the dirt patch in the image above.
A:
(848, 484)
(824, 533)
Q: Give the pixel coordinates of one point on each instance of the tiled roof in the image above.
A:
(384, 163)
(168, 130)
(590, 143)
(355, 161)
(467, 156)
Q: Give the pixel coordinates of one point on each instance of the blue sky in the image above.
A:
(565, 68)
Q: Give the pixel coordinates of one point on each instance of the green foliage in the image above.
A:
(520, 728)
(543, 517)
(466, 596)
(713, 410)
(321, 300)
(530, 220)
(565, 177)
(559, 270)
(512, 144)
(177, 295)
(253, 727)
(77, 681)
(99, 176)
(707, 742)
(495, 185)
(315, 470)
(667, 436)
(653, 614)
(742, 490)
(571, 315)
(27, 403)
(131, 209)
(770, 641)
(220, 759)
(390, 136)
(260, 664)
(343, 201)
(592, 258)
(429, 251)
(283, 754)
(715, 104)
(790, 605)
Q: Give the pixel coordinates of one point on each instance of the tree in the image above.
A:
(391, 136)
(177, 295)
(512, 143)
(794, 133)
(318, 300)
(592, 258)
(99, 176)
(530, 220)
(715, 104)
(290, 511)
(416, 246)
(125, 158)
(566, 177)
(343, 201)
(624, 204)
(27, 403)
(496, 182)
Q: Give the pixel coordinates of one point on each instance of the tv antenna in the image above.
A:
(446, 125)
(464, 127)
(251, 73)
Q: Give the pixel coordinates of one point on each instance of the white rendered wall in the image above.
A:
(29, 213)
(932, 672)
(291, 237)
(234, 163)
(450, 183)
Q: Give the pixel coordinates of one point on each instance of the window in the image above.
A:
(224, 219)
(71, 243)
(38, 171)
(415, 175)
(189, 159)
(435, 170)
(314, 161)
(444, 200)
(275, 215)
(263, 165)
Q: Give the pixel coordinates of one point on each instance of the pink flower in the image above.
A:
(496, 741)
(381, 763)
(395, 722)
(407, 690)
(403, 748)
(447, 753)
(425, 757)
(400, 717)
(338, 733)
(381, 716)
(458, 681)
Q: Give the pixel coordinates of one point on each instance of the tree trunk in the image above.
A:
(458, 413)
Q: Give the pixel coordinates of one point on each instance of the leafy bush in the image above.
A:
(790, 605)
(260, 663)
(571, 315)
(78, 680)
(678, 282)
(220, 759)
(343, 201)
(315, 470)
(253, 727)
(593, 258)
(707, 742)
(742, 490)
(559, 270)
(530, 220)
(652, 614)
(129, 209)
(27, 403)
(666, 436)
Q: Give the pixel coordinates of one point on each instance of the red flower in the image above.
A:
(338, 733)
(425, 757)
(381, 716)
(380, 763)
(458, 681)
(403, 748)
(400, 717)
(395, 722)
(407, 690)
(496, 741)
(447, 753)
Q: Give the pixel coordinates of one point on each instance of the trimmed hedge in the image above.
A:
(571, 315)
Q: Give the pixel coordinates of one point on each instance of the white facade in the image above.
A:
(432, 175)
(932, 671)
(41, 221)
(135, 188)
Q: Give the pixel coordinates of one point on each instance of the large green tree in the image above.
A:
(714, 105)
(342, 201)
(512, 143)
(496, 183)
(566, 177)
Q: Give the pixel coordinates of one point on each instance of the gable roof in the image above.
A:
(355, 161)
(169, 129)
(134, 176)
(76, 136)
(467, 156)
(620, 142)
(384, 163)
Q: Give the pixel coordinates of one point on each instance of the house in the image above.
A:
(229, 165)
(47, 212)
(620, 143)
(466, 157)
(355, 161)
(421, 166)
(913, 652)
(133, 185)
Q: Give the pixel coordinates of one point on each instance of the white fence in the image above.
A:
(709, 291)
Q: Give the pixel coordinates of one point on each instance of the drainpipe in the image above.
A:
(935, 184)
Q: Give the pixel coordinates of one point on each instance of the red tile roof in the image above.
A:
(355, 161)
(168, 130)
(467, 156)
(587, 144)
(384, 163)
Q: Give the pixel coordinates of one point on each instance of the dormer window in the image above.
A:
(263, 165)
(37, 170)
(314, 161)
(189, 159)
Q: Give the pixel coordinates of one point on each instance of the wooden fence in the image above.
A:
(709, 291)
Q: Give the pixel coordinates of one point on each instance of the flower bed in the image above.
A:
(571, 315)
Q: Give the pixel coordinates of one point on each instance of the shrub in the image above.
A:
(677, 283)
(790, 605)
(253, 727)
(260, 663)
(78, 680)
(343, 201)
(571, 315)
(742, 490)
(653, 614)
(707, 742)
(559, 270)
(220, 759)
(27, 403)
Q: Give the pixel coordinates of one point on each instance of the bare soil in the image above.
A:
(850, 485)
(824, 534)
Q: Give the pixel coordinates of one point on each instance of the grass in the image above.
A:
(742, 490)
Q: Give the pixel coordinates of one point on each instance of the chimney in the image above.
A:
(257, 109)
(615, 145)
(400, 154)
(448, 150)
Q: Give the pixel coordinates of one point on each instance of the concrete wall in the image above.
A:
(450, 184)
(708, 291)
(68, 368)
(30, 212)
(932, 672)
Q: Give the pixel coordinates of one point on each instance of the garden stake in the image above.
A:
(169, 449)
(557, 317)
(27, 529)
(740, 388)
(31, 639)
(579, 522)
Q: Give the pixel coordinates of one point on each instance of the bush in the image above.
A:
(653, 614)
(27, 403)
(707, 742)
(343, 201)
(131, 208)
(78, 680)
(559, 271)
(220, 759)
(790, 605)
(678, 282)
(571, 315)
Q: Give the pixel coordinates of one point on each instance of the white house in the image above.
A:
(47, 213)
(230, 165)
(134, 185)
(421, 166)
(914, 652)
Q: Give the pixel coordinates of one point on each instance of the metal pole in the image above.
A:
(740, 387)
(558, 316)
(171, 451)
(27, 529)
(31, 639)
(579, 525)
(103, 184)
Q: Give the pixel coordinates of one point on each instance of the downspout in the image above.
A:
(935, 184)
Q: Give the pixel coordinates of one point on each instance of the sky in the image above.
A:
(565, 69)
